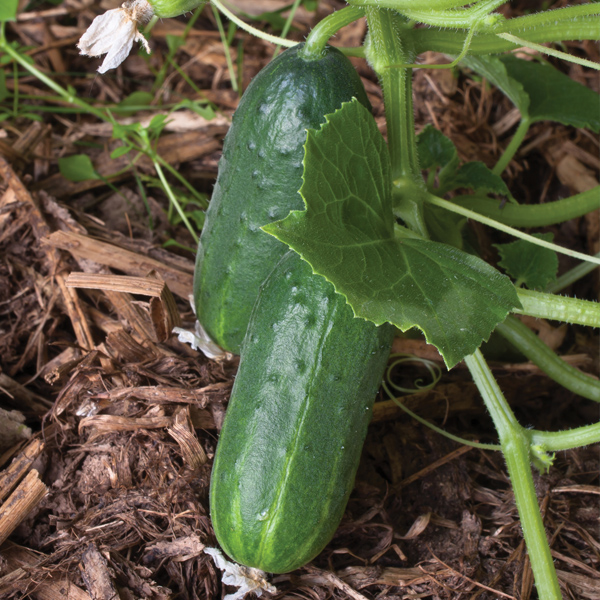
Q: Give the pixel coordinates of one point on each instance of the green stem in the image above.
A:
(532, 215)
(513, 146)
(557, 441)
(515, 447)
(15, 90)
(575, 27)
(520, 42)
(559, 308)
(571, 276)
(257, 32)
(384, 49)
(455, 208)
(319, 36)
(166, 9)
(182, 180)
(522, 338)
(567, 19)
(456, 18)
(174, 201)
(401, 5)
(228, 58)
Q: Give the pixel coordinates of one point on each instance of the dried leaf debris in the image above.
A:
(109, 496)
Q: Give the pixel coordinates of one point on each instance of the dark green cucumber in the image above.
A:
(296, 422)
(259, 176)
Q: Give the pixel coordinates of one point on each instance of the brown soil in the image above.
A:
(125, 418)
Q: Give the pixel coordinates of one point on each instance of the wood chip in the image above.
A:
(109, 423)
(13, 474)
(81, 246)
(20, 503)
(163, 314)
(183, 433)
(96, 575)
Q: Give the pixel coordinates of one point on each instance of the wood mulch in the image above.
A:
(104, 492)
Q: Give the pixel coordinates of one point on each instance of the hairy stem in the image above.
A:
(515, 447)
(557, 441)
(496, 224)
(319, 36)
(384, 49)
(522, 338)
(532, 215)
(559, 308)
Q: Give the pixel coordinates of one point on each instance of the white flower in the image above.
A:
(114, 33)
(245, 578)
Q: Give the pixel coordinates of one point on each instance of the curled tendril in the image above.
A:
(436, 374)
(420, 386)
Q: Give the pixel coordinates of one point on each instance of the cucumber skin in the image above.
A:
(259, 176)
(296, 422)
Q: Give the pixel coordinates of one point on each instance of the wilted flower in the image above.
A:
(114, 33)
(245, 578)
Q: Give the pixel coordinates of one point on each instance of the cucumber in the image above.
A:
(296, 422)
(259, 176)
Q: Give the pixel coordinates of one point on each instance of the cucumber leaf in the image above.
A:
(347, 234)
(436, 150)
(494, 70)
(539, 91)
(477, 176)
(554, 96)
(529, 264)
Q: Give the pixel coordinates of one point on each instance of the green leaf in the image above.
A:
(78, 167)
(157, 123)
(494, 70)
(347, 235)
(477, 176)
(528, 263)
(553, 95)
(135, 101)
(310, 5)
(8, 10)
(434, 148)
(120, 151)
(122, 131)
(204, 110)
